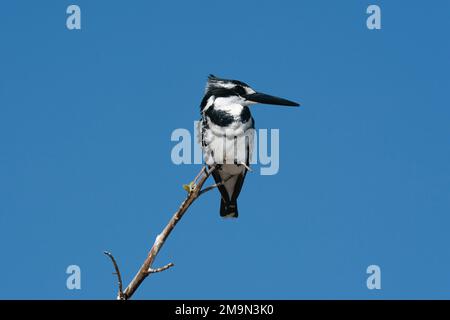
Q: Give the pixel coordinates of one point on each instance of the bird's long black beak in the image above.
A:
(268, 99)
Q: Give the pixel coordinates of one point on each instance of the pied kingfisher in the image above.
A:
(226, 133)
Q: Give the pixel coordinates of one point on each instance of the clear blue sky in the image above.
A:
(85, 124)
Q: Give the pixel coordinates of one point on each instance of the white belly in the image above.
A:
(230, 145)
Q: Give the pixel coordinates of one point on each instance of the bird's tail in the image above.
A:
(228, 209)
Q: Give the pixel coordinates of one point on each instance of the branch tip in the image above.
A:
(120, 295)
(167, 266)
(194, 190)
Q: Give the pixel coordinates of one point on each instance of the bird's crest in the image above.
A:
(216, 83)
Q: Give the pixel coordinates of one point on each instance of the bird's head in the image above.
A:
(225, 91)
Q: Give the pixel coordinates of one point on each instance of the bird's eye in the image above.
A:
(240, 90)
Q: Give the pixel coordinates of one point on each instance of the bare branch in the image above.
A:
(167, 266)
(216, 185)
(146, 268)
(120, 295)
(210, 188)
(199, 174)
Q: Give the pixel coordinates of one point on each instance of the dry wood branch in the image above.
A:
(210, 188)
(146, 268)
(120, 295)
(216, 185)
(167, 266)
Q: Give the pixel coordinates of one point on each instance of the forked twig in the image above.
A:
(120, 295)
(167, 266)
(146, 268)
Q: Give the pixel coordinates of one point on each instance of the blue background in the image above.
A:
(85, 124)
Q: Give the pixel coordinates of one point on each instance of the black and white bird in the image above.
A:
(226, 134)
